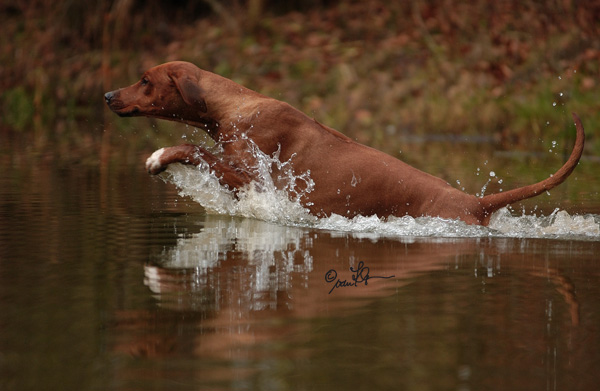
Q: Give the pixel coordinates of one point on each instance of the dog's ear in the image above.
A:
(190, 91)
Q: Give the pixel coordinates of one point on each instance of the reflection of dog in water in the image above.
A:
(349, 178)
(235, 276)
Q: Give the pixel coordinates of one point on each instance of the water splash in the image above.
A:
(263, 201)
(558, 224)
(266, 202)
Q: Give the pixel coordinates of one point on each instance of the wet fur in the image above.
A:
(349, 178)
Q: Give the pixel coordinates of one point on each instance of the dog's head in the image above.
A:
(169, 91)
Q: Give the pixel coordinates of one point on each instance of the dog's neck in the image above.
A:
(236, 117)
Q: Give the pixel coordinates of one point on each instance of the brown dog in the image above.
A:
(349, 178)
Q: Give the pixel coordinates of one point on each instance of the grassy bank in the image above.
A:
(509, 70)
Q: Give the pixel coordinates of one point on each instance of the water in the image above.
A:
(272, 204)
(111, 280)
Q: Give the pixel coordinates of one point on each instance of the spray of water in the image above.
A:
(263, 201)
(281, 204)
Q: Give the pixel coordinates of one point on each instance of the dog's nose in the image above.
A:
(108, 96)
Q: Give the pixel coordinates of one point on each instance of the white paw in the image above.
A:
(153, 164)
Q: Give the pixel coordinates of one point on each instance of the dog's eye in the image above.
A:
(144, 81)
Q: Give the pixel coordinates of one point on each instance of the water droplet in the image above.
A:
(354, 181)
(492, 174)
(553, 103)
(561, 94)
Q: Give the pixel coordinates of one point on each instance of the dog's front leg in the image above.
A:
(229, 175)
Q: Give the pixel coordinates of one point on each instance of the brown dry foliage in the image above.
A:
(371, 69)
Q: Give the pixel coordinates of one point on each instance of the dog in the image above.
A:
(348, 178)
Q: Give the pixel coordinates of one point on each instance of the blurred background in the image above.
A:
(379, 71)
(90, 295)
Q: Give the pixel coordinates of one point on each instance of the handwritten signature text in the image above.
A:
(360, 276)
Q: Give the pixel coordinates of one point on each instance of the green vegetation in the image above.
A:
(374, 70)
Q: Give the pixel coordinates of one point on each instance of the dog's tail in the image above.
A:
(493, 202)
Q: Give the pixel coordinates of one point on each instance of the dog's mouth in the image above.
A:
(119, 107)
(133, 112)
(124, 111)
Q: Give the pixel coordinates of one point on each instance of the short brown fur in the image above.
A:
(349, 178)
